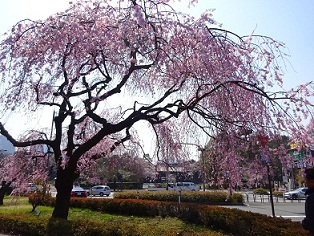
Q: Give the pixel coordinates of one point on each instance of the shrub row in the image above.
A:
(21, 225)
(37, 226)
(263, 191)
(233, 221)
(208, 197)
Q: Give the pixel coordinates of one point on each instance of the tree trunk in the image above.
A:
(64, 185)
(4, 188)
(2, 192)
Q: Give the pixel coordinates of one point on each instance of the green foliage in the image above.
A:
(87, 222)
(261, 191)
(278, 193)
(247, 223)
(208, 197)
(231, 221)
(22, 224)
(59, 227)
(43, 199)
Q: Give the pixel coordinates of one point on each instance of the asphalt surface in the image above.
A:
(294, 211)
(289, 209)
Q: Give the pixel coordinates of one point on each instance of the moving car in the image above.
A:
(100, 190)
(298, 193)
(78, 192)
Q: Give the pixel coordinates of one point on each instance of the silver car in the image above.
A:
(298, 193)
(187, 186)
(100, 190)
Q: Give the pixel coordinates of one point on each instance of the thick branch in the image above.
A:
(16, 143)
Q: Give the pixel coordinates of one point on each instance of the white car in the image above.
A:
(78, 192)
(187, 186)
(100, 190)
(31, 188)
(298, 193)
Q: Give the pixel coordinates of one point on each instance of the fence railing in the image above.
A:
(251, 197)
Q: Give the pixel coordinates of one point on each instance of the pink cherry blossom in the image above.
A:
(194, 79)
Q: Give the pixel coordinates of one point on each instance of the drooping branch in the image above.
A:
(27, 143)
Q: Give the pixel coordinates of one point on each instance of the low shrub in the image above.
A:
(208, 197)
(36, 199)
(38, 227)
(261, 191)
(278, 193)
(22, 225)
(87, 228)
(233, 221)
(241, 223)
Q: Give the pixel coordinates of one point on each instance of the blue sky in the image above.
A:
(289, 21)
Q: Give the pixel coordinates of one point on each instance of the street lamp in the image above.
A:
(263, 141)
(202, 150)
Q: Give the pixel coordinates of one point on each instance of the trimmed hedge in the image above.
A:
(241, 223)
(233, 221)
(10, 225)
(261, 191)
(208, 197)
(20, 225)
(88, 228)
(37, 226)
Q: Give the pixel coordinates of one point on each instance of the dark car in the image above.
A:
(78, 192)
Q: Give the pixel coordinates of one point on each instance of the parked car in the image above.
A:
(100, 190)
(187, 186)
(180, 186)
(298, 193)
(87, 191)
(78, 192)
(31, 188)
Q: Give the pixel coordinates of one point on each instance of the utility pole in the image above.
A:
(202, 150)
(263, 140)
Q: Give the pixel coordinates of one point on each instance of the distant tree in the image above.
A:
(242, 159)
(105, 66)
(106, 168)
(23, 168)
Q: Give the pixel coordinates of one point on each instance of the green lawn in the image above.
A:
(148, 226)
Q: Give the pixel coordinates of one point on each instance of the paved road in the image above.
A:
(293, 211)
(289, 209)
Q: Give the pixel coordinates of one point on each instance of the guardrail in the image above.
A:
(251, 197)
